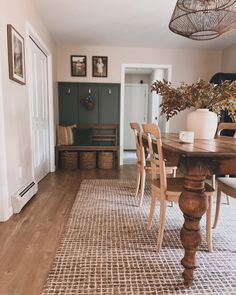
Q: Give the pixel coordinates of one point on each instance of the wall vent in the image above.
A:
(23, 195)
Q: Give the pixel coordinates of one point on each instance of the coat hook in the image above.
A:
(89, 91)
(109, 91)
(68, 91)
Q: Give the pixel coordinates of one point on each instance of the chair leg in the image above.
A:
(208, 223)
(137, 182)
(162, 219)
(218, 199)
(213, 181)
(227, 197)
(227, 200)
(171, 204)
(143, 179)
(174, 173)
(152, 210)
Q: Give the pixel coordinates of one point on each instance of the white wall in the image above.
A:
(15, 102)
(135, 79)
(229, 59)
(187, 65)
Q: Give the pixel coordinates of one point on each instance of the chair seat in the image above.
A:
(176, 185)
(227, 185)
(169, 166)
(230, 181)
(147, 167)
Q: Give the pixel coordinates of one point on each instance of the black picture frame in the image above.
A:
(78, 65)
(100, 66)
(16, 55)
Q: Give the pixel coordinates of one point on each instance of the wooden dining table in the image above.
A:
(197, 161)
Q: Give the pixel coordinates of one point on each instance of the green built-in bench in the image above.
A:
(93, 137)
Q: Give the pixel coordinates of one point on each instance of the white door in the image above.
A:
(135, 110)
(40, 121)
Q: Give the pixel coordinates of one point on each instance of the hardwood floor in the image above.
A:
(28, 241)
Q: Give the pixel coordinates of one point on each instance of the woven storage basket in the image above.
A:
(69, 160)
(105, 160)
(87, 160)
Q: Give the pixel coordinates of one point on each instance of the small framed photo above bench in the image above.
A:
(100, 66)
(78, 65)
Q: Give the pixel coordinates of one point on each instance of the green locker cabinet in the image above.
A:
(88, 116)
(73, 110)
(109, 96)
(68, 103)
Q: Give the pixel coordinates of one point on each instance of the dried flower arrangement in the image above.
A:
(201, 94)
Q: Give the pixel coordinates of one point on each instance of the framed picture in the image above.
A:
(78, 66)
(100, 66)
(16, 55)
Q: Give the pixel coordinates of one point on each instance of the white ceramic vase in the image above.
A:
(203, 123)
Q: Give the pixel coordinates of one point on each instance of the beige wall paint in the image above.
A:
(15, 98)
(187, 65)
(229, 59)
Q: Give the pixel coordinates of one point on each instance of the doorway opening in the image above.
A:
(138, 104)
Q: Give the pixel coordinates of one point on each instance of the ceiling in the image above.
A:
(125, 23)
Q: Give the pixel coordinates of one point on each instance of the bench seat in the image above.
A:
(98, 141)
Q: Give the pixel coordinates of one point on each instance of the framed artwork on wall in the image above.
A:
(100, 66)
(78, 66)
(16, 55)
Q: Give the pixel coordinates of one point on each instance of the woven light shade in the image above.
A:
(203, 19)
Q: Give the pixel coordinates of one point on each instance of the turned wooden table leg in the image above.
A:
(193, 204)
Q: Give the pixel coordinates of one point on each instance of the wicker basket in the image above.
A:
(87, 160)
(69, 160)
(105, 160)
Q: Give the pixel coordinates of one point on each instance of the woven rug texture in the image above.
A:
(106, 248)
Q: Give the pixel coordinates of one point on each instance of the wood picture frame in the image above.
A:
(16, 55)
(100, 66)
(78, 65)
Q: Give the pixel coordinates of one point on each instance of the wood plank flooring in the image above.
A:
(28, 241)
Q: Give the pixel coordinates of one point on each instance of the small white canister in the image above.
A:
(186, 136)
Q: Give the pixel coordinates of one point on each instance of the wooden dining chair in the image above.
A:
(143, 165)
(223, 183)
(168, 189)
(226, 185)
(220, 128)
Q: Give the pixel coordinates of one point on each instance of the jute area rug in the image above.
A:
(107, 250)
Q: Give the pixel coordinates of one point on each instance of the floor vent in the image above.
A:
(22, 196)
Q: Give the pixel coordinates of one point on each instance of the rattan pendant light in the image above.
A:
(203, 19)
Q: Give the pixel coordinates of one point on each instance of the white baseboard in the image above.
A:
(6, 214)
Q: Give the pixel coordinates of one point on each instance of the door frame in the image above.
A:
(5, 208)
(32, 34)
(146, 98)
(166, 67)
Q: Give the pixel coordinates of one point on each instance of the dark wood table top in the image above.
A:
(220, 146)
(218, 155)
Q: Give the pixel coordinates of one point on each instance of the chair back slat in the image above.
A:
(155, 149)
(139, 144)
